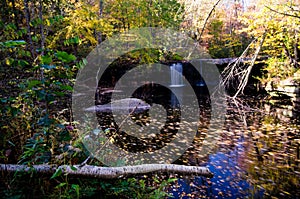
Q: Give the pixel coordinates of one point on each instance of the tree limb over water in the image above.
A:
(235, 71)
(89, 171)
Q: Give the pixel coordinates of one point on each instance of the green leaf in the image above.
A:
(156, 180)
(65, 57)
(3, 100)
(41, 94)
(23, 63)
(76, 188)
(61, 185)
(64, 136)
(73, 168)
(45, 121)
(142, 184)
(11, 143)
(74, 40)
(33, 83)
(66, 87)
(45, 66)
(46, 59)
(84, 61)
(10, 44)
(171, 180)
(57, 173)
(35, 39)
(81, 63)
(59, 94)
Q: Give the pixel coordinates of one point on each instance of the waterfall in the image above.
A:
(176, 75)
(176, 84)
(200, 82)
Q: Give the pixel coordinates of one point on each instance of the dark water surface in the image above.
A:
(257, 156)
(257, 152)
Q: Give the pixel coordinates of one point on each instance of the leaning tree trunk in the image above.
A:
(241, 72)
(90, 171)
(206, 20)
(247, 72)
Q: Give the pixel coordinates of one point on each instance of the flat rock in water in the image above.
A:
(127, 104)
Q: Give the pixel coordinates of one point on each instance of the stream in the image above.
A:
(256, 154)
(256, 157)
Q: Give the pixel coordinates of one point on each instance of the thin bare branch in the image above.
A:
(246, 75)
(231, 70)
(282, 13)
(208, 16)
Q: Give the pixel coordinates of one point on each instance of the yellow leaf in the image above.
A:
(48, 22)
(8, 61)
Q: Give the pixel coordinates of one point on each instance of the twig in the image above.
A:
(285, 14)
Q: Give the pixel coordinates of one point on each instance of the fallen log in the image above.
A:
(89, 171)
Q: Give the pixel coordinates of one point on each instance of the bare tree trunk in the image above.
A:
(233, 70)
(89, 171)
(245, 77)
(242, 73)
(99, 39)
(27, 17)
(42, 26)
(206, 20)
(296, 51)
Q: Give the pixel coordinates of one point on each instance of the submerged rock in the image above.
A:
(129, 105)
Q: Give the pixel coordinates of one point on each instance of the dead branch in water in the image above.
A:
(236, 71)
(89, 171)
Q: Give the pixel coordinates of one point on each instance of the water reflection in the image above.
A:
(229, 181)
(258, 157)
